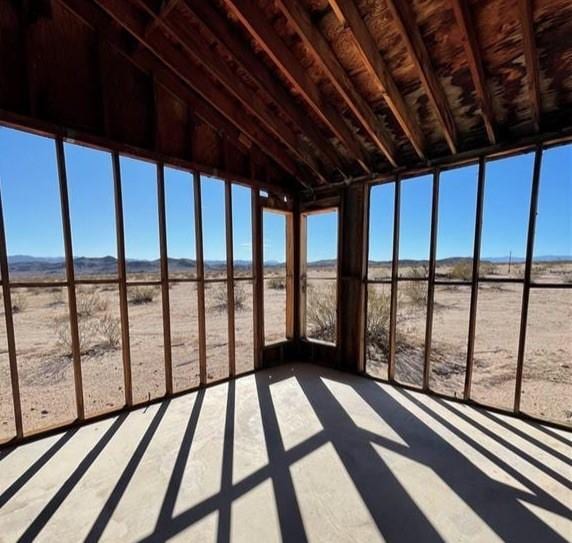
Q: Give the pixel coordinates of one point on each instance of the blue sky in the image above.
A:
(30, 194)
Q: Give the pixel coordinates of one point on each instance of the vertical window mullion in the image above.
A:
(394, 272)
(200, 279)
(70, 275)
(230, 279)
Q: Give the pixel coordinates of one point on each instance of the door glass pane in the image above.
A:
(381, 206)
(7, 421)
(242, 230)
(214, 229)
(32, 208)
(547, 374)
(184, 335)
(552, 260)
(415, 226)
(43, 350)
(456, 224)
(146, 342)
(216, 317)
(141, 219)
(99, 325)
(449, 339)
(377, 331)
(496, 344)
(410, 332)
(321, 310)
(244, 326)
(505, 216)
(92, 212)
(274, 259)
(180, 221)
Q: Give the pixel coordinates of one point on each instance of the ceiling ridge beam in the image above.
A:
(233, 84)
(404, 16)
(531, 60)
(199, 81)
(315, 41)
(254, 20)
(348, 14)
(462, 11)
(241, 53)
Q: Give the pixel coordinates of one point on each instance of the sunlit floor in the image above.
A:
(295, 453)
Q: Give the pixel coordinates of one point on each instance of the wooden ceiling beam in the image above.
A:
(226, 116)
(531, 59)
(404, 17)
(348, 14)
(462, 11)
(193, 46)
(254, 20)
(312, 37)
(198, 80)
(221, 28)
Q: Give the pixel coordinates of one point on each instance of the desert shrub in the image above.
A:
(219, 297)
(19, 302)
(87, 330)
(416, 291)
(109, 329)
(142, 295)
(321, 312)
(378, 318)
(90, 303)
(239, 297)
(276, 283)
(462, 271)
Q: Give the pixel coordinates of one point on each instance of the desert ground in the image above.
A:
(45, 364)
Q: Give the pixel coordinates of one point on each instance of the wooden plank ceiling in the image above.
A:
(309, 91)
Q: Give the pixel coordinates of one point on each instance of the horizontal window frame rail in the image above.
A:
(551, 285)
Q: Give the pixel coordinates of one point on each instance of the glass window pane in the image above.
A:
(32, 209)
(141, 219)
(180, 223)
(496, 344)
(274, 244)
(377, 331)
(456, 224)
(99, 325)
(552, 261)
(92, 212)
(321, 310)
(242, 230)
(410, 332)
(43, 350)
(322, 244)
(184, 335)
(7, 421)
(146, 342)
(216, 320)
(214, 229)
(449, 339)
(244, 326)
(547, 373)
(505, 216)
(381, 207)
(274, 309)
(415, 226)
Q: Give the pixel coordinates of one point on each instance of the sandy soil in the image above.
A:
(45, 366)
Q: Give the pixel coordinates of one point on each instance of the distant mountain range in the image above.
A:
(491, 259)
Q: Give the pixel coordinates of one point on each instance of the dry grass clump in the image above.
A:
(321, 312)
(378, 318)
(142, 295)
(90, 303)
(462, 271)
(19, 302)
(276, 283)
(219, 297)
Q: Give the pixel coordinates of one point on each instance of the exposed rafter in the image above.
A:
(323, 53)
(223, 116)
(195, 78)
(222, 30)
(252, 17)
(347, 13)
(405, 18)
(531, 59)
(462, 11)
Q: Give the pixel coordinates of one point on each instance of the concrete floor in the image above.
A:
(296, 453)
